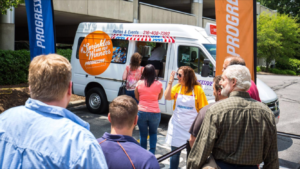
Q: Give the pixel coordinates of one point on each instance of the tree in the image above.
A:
(289, 29)
(268, 41)
(278, 37)
(291, 7)
(8, 4)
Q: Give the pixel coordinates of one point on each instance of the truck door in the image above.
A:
(192, 55)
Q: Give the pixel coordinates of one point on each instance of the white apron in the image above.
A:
(181, 120)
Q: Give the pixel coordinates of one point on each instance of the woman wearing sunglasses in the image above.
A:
(188, 98)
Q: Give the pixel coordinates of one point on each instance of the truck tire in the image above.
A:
(96, 101)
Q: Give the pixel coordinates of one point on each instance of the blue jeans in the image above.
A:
(151, 120)
(174, 160)
(131, 93)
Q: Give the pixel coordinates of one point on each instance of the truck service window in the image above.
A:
(146, 48)
(120, 48)
(194, 57)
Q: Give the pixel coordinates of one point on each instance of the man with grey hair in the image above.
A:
(239, 132)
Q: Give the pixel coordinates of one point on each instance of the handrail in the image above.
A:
(169, 154)
(167, 9)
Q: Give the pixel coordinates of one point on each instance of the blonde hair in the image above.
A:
(49, 77)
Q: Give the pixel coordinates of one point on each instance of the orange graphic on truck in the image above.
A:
(95, 53)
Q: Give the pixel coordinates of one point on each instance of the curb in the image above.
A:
(76, 103)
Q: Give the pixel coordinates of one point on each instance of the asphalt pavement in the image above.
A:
(287, 89)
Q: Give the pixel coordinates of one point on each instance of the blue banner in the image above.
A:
(40, 27)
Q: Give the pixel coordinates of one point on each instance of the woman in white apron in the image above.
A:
(188, 98)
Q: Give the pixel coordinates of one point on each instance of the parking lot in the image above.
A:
(287, 89)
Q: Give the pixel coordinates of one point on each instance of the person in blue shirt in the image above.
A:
(43, 134)
(121, 150)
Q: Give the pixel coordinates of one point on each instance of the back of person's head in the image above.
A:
(241, 74)
(123, 111)
(49, 77)
(135, 60)
(237, 61)
(149, 75)
(217, 80)
(189, 78)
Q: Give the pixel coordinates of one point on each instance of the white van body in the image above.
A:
(175, 37)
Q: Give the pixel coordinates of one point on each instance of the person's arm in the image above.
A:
(160, 94)
(124, 77)
(91, 156)
(204, 142)
(201, 99)
(136, 94)
(169, 87)
(192, 141)
(271, 157)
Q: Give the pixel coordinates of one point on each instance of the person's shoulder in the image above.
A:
(198, 88)
(177, 86)
(220, 105)
(148, 159)
(157, 82)
(205, 108)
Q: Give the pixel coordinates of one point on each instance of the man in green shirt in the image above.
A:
(238, 131)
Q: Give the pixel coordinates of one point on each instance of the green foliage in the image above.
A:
(283, 6)
(67, 53)
(277, 37)
(282, 72)
(258, 69)
(275, 71)
(8, 4)
(14, 66)
(290, 72)
(269, 45)
(288, 64)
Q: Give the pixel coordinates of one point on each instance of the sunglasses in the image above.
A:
(179, 75)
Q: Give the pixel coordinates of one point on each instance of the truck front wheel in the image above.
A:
(96, 101)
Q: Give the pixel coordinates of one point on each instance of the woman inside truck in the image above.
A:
(157, 55)
(189, 98)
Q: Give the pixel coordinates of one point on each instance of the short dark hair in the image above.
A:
(149, 75)
(217, 80)
(237, 61)
(123, 111)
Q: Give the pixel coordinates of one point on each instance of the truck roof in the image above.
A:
(142, 29)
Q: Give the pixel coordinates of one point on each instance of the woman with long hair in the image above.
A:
(188, 98)
(132, 74)
(148, 91)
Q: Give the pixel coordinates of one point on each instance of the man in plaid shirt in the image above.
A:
(239, 132)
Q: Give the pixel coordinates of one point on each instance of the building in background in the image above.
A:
(69, 13)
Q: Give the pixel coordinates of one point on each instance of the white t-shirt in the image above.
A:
(158, 54)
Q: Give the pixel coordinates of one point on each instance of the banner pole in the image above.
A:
(254, 39)
(54, 30)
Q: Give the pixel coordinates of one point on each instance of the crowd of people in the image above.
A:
(237, 131)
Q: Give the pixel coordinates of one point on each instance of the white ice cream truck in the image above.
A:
(98, 63)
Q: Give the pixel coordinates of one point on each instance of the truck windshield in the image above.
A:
(211, 48)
